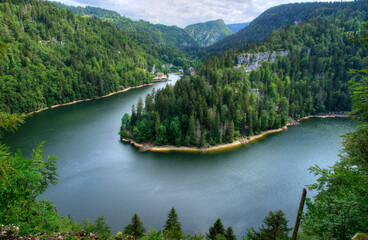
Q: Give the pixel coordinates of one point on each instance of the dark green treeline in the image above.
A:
(53, 56)
(223, 102)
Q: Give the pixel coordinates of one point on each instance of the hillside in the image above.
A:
(51, 56)
(296, 13)
(209, 32)
(236, 27)
(171, 36)
(298, 71)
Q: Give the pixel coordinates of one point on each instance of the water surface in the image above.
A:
(99, 175)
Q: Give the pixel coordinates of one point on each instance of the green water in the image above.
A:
(99, 175)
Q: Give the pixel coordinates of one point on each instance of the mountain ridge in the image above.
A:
(161, 34)
(207, 33)
(279, 16)
(236, 27)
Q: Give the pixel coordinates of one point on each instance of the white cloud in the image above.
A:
(185, 12)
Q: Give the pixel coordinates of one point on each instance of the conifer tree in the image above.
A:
(276, 227)
(172, 228)
(136, 228)
(229, 234)
(216, 229)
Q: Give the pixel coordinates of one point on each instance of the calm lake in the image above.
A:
(100, 175)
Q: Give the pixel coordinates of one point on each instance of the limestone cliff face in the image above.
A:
(253, 60)
(209, 32)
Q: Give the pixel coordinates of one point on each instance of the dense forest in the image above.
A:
(53, 56)
(172, 36)
(236, 27)
(50, 56)
(208, 33)
(348, 13)
(224, 102)
(338, 211)
(170, 44)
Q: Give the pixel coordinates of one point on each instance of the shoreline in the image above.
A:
(237, 143)
(85, 100)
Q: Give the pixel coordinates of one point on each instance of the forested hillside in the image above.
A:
(53, 56)
(236, 27)
(209, 32)
(347, 13)
(171, 36)
(223, 102)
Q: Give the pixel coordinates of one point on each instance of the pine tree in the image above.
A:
(231, 132)
(192, 130)
(172, 220)
(136, 228)
(216, 229)
(172, 228)
(229, 234)
(276, 227)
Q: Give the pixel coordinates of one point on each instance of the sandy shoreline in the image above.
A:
(88, 99)
(167, 148)
(325, 116)
(235, 144)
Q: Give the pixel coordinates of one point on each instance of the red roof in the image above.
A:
(160, 74)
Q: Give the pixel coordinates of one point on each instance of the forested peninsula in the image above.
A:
(232, 99)
(50, 56)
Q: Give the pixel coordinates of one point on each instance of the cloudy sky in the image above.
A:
(184, 12)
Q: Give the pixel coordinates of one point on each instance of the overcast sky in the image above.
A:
(184, 12)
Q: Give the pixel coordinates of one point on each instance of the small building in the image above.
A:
(181, 71)
(191, 69)
(192, 73)
(160, 75)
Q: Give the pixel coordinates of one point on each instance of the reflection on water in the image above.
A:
(99, 175)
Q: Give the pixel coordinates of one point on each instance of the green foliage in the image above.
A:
(276, 228)
(359, 85)
(236, 27)
(172, 36)
(99, 226)
(209, 32)
(26, 181)
(172, 229)
(349, 14)
(225, 103)
(136, 228)
(339, 209)
(229, 234)
(10, 122)
(169, 44)
(54, 56)
(216, 231)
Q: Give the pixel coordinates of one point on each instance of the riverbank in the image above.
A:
(237, 143)
(167, 148)
(88, 99)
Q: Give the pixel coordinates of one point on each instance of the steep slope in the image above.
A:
(171, 36)
(279, 16)
(208, 33)
(236, 27)
(51, 56)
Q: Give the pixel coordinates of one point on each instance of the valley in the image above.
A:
(232, 120)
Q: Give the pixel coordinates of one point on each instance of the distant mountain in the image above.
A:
(236, 27)
(171, 36)
(208, 33)
(279, 16)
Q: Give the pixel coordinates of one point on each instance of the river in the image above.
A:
(100, 175)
